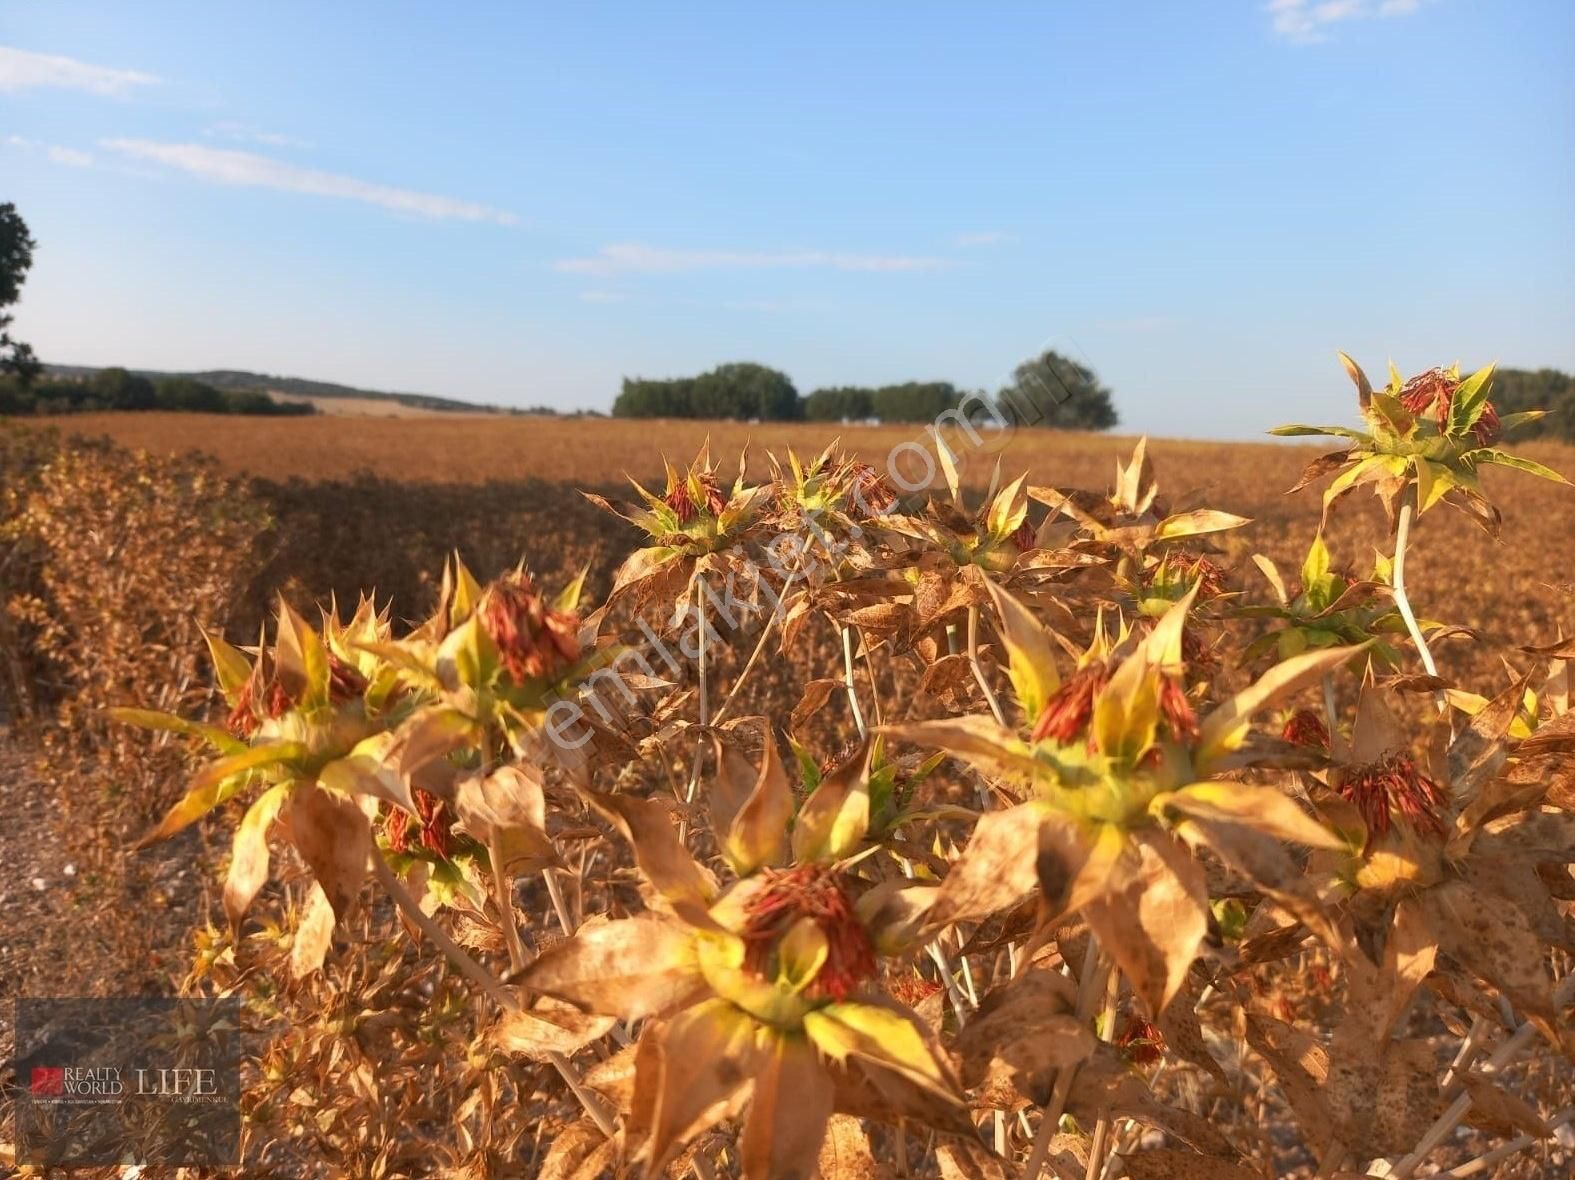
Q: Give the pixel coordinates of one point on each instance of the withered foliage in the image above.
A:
(1125, 870)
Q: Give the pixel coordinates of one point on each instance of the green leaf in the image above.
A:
(1299, 431)
(885, 1036)
(1529, 466)
(1315, 566)
(220, 739)
(1470, 400)
(1030, 653)
(217, 782)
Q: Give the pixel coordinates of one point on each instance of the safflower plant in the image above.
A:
(1089, 843)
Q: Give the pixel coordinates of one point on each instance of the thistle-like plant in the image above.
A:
(772, 980)
(1328, 608)
(1119, 776)
(1429, 435)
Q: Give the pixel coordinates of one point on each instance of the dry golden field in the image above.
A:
(1519, 584)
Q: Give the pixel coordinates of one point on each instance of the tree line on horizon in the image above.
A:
(1049, 390)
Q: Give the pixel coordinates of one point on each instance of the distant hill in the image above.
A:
(292, 387)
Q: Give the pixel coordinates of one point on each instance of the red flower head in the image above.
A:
(1306, 728)
(534, 641)
(678, 500)
(1141, 1042)
(683, 503)
(1066, 714)
(1177, 710)
(436, 831)
(1394, 788)
(1023, 538)
(809, 891)
(345, 683)
(1434, 392)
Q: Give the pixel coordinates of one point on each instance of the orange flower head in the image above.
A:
(534, 641)
(813, 892)
(1433, 392)
(1306, 728)
(1393, 788)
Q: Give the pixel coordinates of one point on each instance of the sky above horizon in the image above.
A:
(522, 204)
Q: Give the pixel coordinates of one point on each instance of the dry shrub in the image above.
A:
(124, 558)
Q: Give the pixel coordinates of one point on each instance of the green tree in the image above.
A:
(915, 401)
(840, 403)
(741, 390)
(16, 258)
(191, 396)
(117, 389)
(1515, 390)
(1051, 390)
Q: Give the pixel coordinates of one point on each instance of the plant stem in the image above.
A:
(1483, 1162)
(1098, 1150)
(503, 894)
(869, 666)
(760, 646)
(1095, 964)
(978, 669)
(488, 983)
(847, 678)
(466, 966)
(1507, 1052)
(1331, 712)
(1402, 538)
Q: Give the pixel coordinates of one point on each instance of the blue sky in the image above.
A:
(523, 203)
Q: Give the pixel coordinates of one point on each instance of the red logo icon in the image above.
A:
(48, 1080)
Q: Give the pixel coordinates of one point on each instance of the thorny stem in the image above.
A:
(978, 669)
(488, 983)
(847, 677)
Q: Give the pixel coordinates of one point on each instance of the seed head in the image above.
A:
(534, 641)
(871, 491)
(813, 892)
(1393, 788)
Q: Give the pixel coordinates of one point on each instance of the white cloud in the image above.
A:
(984, 238)
(21, 70)
(244, 133)
(630, 257)
(225, 166)
(1305, 21)
(60, 155)
(71, 157)
(602, 296)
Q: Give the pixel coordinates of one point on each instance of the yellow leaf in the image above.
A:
(1262, 808)
(1030, 653)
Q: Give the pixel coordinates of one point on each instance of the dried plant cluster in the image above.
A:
(1045, 914)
